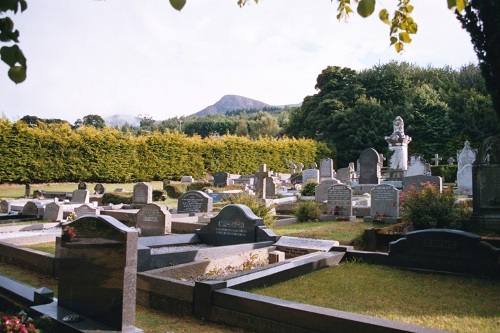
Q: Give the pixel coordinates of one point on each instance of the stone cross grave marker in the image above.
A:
(369, 165)
(339, 202)
(436, 159)
(260, 182)
(97, 265)
(300, 167)
(53, 212)
(235, 224)
(142, 193)
(194, 202)
(154, 220)
(385, 202)
(292, 168)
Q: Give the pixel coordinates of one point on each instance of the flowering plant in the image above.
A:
(68, 233)
(14, 324)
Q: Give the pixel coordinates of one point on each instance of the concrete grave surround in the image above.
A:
(369, 167)
(465, 160)
(142, 193)
(385, 202)
(80, 196)
(221, 179)
(195, 202)
(86, 210)
(53, 212)
(154, 220)
(235, 224)
(97, 271)
(310, 175)
(417, 181)
(339, 202)
(321, 191)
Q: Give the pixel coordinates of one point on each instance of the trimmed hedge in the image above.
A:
(57, 153)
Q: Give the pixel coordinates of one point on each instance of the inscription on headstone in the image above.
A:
(154, 220)
(194, 202)
(86, 210)
(385, 202)
(339, 201)
(142, 193)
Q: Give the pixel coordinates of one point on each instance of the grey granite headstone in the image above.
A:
(97, 265)
(321, 191)
(385, 202)
(416, 182)
(369, 165)
(339, 202)
(142, 193)
(33, 208)
(235, 224)
(80, 196)
(99, 189)
(194, 202)
(5, 206)
(326, 169)
(53, 212)
(86, 209)
(221, 179)
(154, 220)
(270, 187)
(310, 175)
(82, 185)
(446, 251)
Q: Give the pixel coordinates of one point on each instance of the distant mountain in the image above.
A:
(230, 103)
(122, 119)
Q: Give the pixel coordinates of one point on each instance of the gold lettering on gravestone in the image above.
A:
(232, 228)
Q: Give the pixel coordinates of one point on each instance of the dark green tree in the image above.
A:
(94, 120)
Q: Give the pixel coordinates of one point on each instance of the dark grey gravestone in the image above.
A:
(53, 212)
(82, 185)
(221, 179)
(235, 224)
(99, 189)
(296, 178)
(80, 196)
(270, 187)
(154, 220)
(194, 202)
(142, 193)
(27, 190)
(447, 251)
(385, 202)
(339, 202)
(486, 185)
(86, 210)
(415, 182)
(97, 271)
(33, 208)
(369, 167)
(5, 206)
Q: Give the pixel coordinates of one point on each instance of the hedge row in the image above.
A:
(56, 153)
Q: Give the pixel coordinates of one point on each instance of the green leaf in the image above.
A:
(451, 4)
(399, 47)
(409, 8)
(178, 4)
(366, 7)
(12, 55)
(17, 74)
(393, 40)
(404, 37)
(384, 16)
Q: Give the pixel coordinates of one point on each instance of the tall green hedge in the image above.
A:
(57, 153)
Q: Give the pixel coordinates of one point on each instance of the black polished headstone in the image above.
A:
(97, 265)
(235, 224)
(194, 202)
(369, 162)
(221, 179)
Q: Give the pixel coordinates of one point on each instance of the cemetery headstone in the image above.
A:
(339, 202)
(80, 196)
(5, 206)
(446, 251)
(398, 143)
(417, 166)
(326, 169)
(314, 165)
(345, 175)
(486, 185)
(99, 188)
(369, 166)
(187, 179)
(154, 220)
(451, 160)
(221, 179)
(97, 265)
(82, 185)
(53, 212)
(415, 182)
(292, 168)
(27, 190)
(300, 167)
(310, 175)
(297, 246)
(436, 159)
(385, 203)
(195, 202)
(33, 208)
(465, 160)
(235, 224)
(142, 193)
(321, 191)
(260, 181)
(86, 210)
(270, 187)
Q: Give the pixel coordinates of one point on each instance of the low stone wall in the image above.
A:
(35, 260)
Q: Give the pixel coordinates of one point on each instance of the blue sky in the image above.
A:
(143, 57)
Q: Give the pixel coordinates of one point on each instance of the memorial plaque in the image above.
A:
(86, 210)
(339, 200)
(80, 196)
(447, 251)
(154, 220)
(194, 202)
(97, 265)
(142, 193)
(53, 212)
(385, 201)
(235, 224)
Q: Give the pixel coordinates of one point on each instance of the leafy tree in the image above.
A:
(94, 121)
(263, 124)
(12, 55)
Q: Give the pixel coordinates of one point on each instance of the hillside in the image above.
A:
(229, 103)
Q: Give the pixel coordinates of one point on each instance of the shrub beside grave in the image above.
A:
(447, 172)
(116, 198)
(307, 211)
(309, 189)
(256, 205)
(158, 195)
(199, 186)
(175, 190)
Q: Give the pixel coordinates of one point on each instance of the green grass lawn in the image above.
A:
(454, 303)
